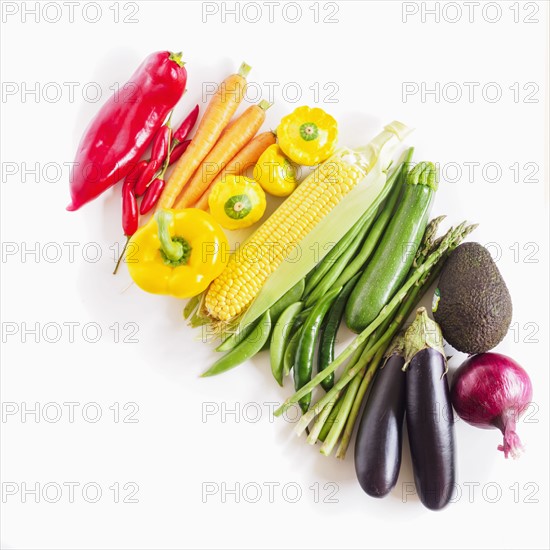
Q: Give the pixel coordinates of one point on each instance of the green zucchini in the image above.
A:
(395, 253)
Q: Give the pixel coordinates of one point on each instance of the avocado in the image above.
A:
(472, 304)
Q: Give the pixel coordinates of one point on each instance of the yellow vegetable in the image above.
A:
(321, 210)
(262, 253)
(237, 202)
(308, 135)
(179, 252)
(274, 172)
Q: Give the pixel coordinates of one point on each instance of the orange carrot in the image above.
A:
(247, 157)
(221, 108)
(236, 136)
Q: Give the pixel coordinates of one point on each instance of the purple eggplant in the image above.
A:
(429, 413)
(380, 434)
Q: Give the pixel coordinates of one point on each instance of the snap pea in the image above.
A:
(290, 297)
(245, 350)
(279, 338)
(235, 338)
(329, 330)
(305, 351)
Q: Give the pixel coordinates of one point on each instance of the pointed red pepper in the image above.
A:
(178, 151)
(186, 126)
(119, 134)
(152, 195)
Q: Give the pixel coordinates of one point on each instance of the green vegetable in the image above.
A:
(329, 331)
(363, 199)
(315, 276)
(339, 270)
(395, 254)
(451, 240)
(292, 296)
(329, 422)
(245, 350)
(235, 338)
(375, 234)
(305, 351)
(475, 307)
(280, 337)
(290, 351)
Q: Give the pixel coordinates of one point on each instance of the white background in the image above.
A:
(174, 448)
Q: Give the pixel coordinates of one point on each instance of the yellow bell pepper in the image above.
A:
(179, 252)
(308, 135)
(274, 172)
(236, 202)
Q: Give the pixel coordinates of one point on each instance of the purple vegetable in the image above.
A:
(491, 390)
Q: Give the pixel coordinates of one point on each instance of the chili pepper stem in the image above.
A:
(122, 254)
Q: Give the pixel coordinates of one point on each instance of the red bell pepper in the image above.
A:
(125, 125)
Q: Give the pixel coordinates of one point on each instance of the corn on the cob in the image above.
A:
(264, 251)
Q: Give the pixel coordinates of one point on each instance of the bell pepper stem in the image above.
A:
(172, 249)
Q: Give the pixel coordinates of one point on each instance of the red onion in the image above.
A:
(491, 390)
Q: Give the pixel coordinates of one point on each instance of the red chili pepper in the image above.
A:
(130, 216)
(121, 131)
(133, 177)
(161, 143)
(152, 195)
(187, 125)
(178, 151)
(146, 177)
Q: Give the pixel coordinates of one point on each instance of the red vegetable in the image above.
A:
(146, 177)
(187, 125)
(491, 390)
(152, 195)
(125, 125)
(178, 150)
(133, 177)
(161, 144)
(130, 217)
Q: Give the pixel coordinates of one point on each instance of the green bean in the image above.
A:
(290, 297)
(329, 331)
(324, 266)
(245, 350)
(305, 350)
(329, 279)
(279, 339)
(290, 351)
